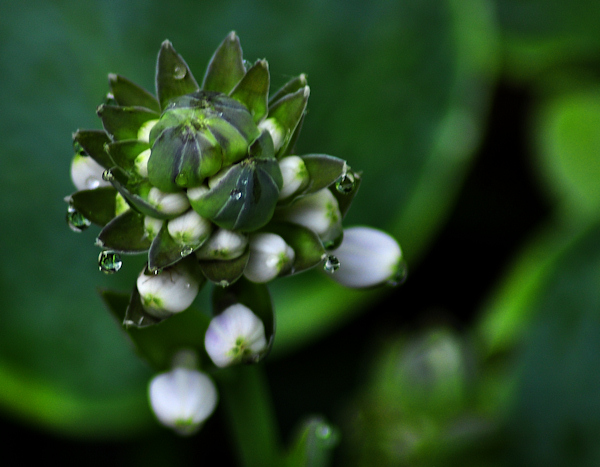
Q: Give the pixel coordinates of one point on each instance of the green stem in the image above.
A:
(247, 402)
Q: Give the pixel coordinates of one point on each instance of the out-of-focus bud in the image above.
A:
(235, 335)
(269, 256)
(189, 228)
(276, 131)
(295, 176)
(141, 163)
(223, 245)
(368, 257)
(144, 131)
(86, 173)
(168, 203)
(182, 399)
(152, 226)
(167, 293)
(319, 212)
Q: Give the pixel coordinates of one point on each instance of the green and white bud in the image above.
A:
(236, 335)
(276, 131)
(319, 212)
(141, 163)
(182, 399)
(295, 176)
(223, 245)
(86, 173)
(167, 293)
(269, 256)
(189, 228)
(368, 257)
(152, 226)
(168, 203)
(144, 131)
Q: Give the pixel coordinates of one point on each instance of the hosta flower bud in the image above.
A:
(223, 245)
(171, 291)
(368, 257)
(234, 336)
(276, 131)
(295, 176)
(269, 256)
(182, 399)
(168, 203)
(144, 131)
(189, 228)
(141, 163)
(152, 226)
(319, 212)
(86, 173)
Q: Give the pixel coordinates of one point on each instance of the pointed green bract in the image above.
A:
(129, 94)
(97, 205)
(125, 234)
(124, 153)
(288, 88)
(226, 67)
(93, 143)
(173, 77)
(253, 90)
(323, 171)
(224, 272)
(288, 112)
(244, 199)
(123, 123)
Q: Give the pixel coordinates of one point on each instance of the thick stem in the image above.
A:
(246, 398)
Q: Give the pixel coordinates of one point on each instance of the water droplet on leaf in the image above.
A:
(77, 221)
(179, 72)
(345, 184)
(331, 264)
(224, 283)
(109, 262)
(188, 250)
(235, 194)
(399, 276)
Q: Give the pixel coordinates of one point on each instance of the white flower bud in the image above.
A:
(152, 226)
(368, 257)
(223, 244)
(234, 336)
(295, 176)
(171, 291)
(168, 203)
(182, 399)
(86, 173)
(194, 194)
(276, 131)
(141, 163)
(144, 131)
(189, 228)
(319, 212)
(269, 256)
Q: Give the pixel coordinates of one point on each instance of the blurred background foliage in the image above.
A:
(475, 123)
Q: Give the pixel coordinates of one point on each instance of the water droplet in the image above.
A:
(235, 194)
(399, 276)
(156, 272)
(188, 250)
(224, 283)
(77, 221)
(331, 264)
(107, 175)
(179, 72)
(109, 262)
(181, 179)
(110, 99)
(345, 184)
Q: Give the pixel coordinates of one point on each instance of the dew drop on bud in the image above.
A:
(179, 72)
(235, 194)
(399, 276)
(345, 184)
(156, 272)
(224, 283)
(186, 251)
(107, 175)
(109, 262)
(77, 221)
(331, 264)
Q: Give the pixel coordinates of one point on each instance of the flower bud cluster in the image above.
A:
(205, 181)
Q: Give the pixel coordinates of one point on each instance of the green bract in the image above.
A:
(188, 176)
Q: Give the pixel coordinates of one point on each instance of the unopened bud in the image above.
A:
(168, 203)
(189, 228)
(86, 173)
(295, 176)
(269, 256)
(223, 245)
